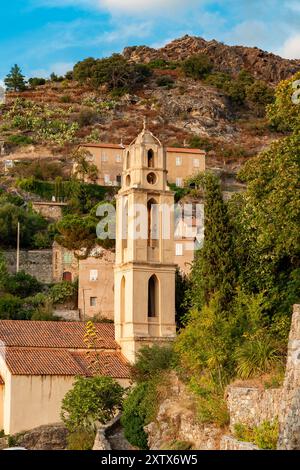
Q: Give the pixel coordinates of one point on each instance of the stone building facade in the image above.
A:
(96, 285)
(65, 265)
(180, 163)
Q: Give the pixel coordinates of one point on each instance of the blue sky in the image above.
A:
(51, 35)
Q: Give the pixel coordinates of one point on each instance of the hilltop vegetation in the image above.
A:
(190, 99)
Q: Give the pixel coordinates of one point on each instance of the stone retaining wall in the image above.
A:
(101, 440)
(231, 443)
(251, 406)
(37, 263)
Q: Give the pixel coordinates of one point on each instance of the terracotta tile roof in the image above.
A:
(26, 361)
(1, 381)
(105, 146)
(53, 334)
(39, 361)
(112, 364)
(120, 147)
(185, 150)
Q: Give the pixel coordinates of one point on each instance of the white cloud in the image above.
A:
(248, 33)
(132, 7)
(59, 68)
(291, 48)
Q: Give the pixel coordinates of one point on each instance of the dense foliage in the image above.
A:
(90, 401)
(14, 210)
(139, 409)
(115, 72)
(246, 277)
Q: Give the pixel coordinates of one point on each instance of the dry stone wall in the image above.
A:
(251, 406)
(37, 263)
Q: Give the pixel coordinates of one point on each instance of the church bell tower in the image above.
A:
(144, 269)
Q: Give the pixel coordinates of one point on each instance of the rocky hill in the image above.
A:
(54, 118)
(263, 65)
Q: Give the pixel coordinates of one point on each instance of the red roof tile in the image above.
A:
(185, 150)
(39, 361)
(104, 146)
(111, 364)
(120, 147)
(53, 334)
(26, 361)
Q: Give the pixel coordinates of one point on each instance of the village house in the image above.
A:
(96, 285)
(108, 158)
(38, 364)
(65, 265)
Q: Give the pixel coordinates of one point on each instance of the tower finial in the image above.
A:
(144, 123)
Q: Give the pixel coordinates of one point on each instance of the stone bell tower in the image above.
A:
(144, 269)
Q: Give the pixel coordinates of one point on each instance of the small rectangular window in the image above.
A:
(196, 162)
(93, 275)
(104, 157)
(118, 158)
(179, 249)
(106, 179)
(178, 161)
(179, 182)
(68, 258)
(93, 301)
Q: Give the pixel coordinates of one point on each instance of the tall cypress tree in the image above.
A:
(213, 268)
(15, 79)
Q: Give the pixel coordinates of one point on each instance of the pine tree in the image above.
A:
(15, 79)
(213, 268)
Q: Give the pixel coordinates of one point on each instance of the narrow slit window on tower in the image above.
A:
(153, 296)
(150, 158)
(128, 163)
(122, 300)
(152, 210)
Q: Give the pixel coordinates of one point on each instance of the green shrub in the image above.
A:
(11, 308)
(151, 361)
(35, 81)
(256, 356)
(63, 291)
(134, 416)
(212, 408)
(12, 441)
(66, 99)
(165, 81)
(21, 284)
(265, 436)
(91, 400)
(19, 139)
(177, 445)
(81, 439)
(87, 117)
(197, 66)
